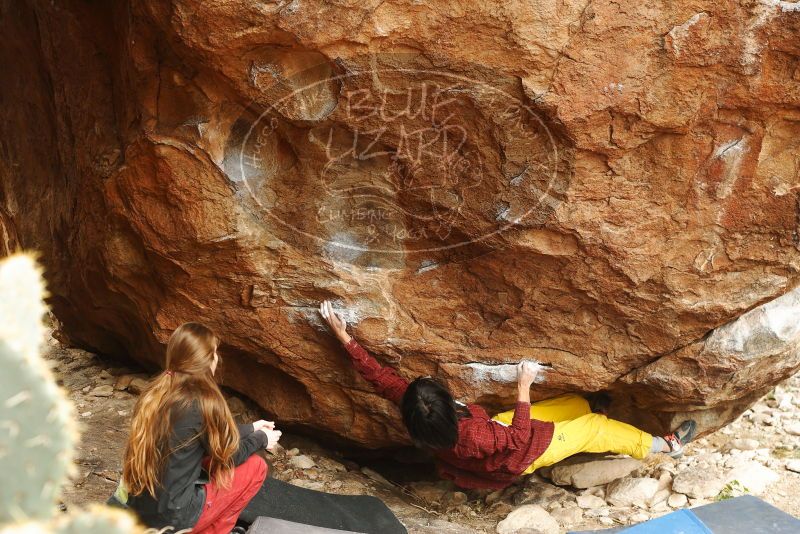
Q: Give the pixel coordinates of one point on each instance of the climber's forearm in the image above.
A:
(343, 337)
(385, 380)
(524, 393)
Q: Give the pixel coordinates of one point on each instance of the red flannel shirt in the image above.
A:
(488, 454)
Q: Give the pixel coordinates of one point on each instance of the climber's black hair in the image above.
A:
(431, 415)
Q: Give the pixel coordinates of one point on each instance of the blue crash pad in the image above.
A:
(746, 514)
(680, 522)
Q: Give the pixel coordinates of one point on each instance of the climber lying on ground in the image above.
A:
(188, 465)
(475, 451)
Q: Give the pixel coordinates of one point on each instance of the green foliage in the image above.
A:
(37, 429)
(732, 489)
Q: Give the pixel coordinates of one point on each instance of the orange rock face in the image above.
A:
(608, 188)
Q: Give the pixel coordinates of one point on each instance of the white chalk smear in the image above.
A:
(503, 372)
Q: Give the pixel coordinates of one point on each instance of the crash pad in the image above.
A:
(732, 516)
(355, 513)
(270, 525)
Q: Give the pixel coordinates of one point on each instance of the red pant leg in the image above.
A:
(223, 506)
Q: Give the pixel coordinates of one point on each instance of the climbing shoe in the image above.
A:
(678, 439)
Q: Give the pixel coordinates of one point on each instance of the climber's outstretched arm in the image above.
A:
(385, 380)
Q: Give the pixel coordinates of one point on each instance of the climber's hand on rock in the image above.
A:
(335, 321)
(526, 374)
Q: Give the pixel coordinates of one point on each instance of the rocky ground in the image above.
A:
(759, 454)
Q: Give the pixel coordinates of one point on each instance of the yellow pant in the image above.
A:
(577, 429)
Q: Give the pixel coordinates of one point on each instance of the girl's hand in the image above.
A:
(262, 424)
(273, 436)
(335, 321)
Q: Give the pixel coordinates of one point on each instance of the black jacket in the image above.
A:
(181, 495)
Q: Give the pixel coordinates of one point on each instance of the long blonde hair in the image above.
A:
(187, 378)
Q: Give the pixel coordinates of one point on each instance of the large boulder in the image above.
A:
(609, 188)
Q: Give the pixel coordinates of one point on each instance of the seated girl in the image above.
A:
(181, 424)
(188, 466)
(476, 451)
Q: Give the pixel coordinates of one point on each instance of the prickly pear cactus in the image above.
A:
(96, 520)
(37, 429)
(37, 432)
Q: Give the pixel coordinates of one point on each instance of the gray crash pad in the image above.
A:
(270, 525)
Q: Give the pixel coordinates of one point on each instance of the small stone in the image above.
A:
(302, 462)
(793, 465)
(293, 452)
(629, 491)
(500, 509)
(86, 389)
(785, 402)
(598, 512)
(677, 500)
(375, 476)
(494, 497)
(554, 505)
(568, 516)
(660, 507)
(793, 429)
(277, 450)
(597, 491)
(86, 414)
(104, 374)
(763, 419)
(606, 521)
(458, 498)
(590, 501)
(744, 444)
(331, 465)
(353, 487)
(336, 484)
(660, 496)
(464, 509)
(105, 390)
(639, 517)
(123, 381)
(541, 493)
(529, 516)
(137, 385)
(122, 413)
